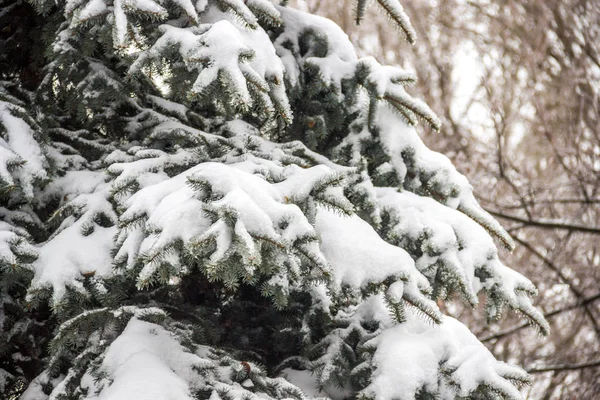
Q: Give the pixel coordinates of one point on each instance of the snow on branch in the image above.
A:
(23, 163)
(16, 251)
(448, 349)
(124, 347)
(455, 254)
(80, 245)
(373, 353)
(234, 216)
(240, 64)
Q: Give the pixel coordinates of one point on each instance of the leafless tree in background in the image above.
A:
(517, 84)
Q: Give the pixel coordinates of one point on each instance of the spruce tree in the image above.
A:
(219, 200)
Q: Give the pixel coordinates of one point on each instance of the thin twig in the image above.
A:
(546, 224)
(563, 278)
(564, 367)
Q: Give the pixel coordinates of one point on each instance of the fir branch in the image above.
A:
(396, 13)
(550, 314)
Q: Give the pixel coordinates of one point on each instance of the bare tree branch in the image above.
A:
(564, 367)
(546, 224)
(505, 206)
(565, 279)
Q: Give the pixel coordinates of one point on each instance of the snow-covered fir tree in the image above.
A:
(217, 199)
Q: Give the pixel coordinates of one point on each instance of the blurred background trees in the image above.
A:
(516, 84)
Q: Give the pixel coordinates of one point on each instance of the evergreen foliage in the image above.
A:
(215, 200)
